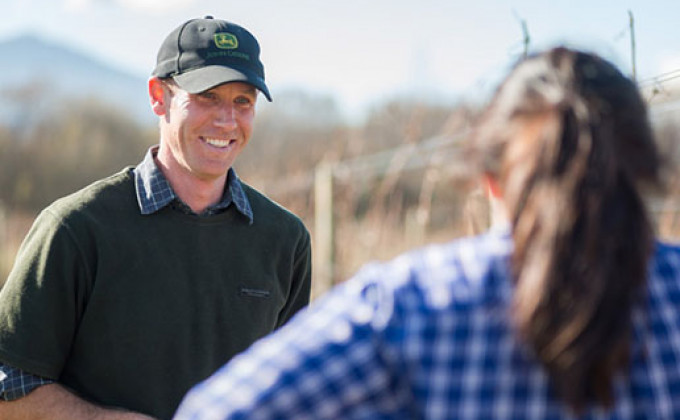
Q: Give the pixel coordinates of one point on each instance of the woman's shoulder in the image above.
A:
(665, 261)
(470, 270)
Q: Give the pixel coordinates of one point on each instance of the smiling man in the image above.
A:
(130, 291)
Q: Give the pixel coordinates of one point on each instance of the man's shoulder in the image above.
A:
(266, 209)
(100, 195)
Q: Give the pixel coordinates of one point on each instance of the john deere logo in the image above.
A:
(226, 41)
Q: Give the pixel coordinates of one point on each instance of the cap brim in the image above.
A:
(204, 78)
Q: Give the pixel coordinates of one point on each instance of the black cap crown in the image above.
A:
(203, 53)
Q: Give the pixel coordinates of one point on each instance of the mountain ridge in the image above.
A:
(70, 74)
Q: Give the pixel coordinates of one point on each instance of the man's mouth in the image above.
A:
(221, 143)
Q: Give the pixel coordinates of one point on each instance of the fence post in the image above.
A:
(324, 238)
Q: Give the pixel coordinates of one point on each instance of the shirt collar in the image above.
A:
(154, 191)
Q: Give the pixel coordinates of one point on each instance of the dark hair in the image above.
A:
(568, 140)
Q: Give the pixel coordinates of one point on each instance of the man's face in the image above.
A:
(203, 133)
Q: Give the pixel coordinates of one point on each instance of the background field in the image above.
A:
(367, 191)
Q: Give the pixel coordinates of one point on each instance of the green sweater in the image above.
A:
(131, 310)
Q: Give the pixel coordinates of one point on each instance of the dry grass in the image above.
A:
(372, 227)
(382, 230)
(13, 229)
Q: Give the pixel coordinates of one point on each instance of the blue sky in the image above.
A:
(363, 52)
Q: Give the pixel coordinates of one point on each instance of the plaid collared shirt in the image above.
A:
(153, 193)
(428, 336)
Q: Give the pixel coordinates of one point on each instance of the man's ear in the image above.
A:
(158, 96)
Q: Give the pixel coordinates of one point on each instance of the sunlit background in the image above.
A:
(371, 100)
(364, 52)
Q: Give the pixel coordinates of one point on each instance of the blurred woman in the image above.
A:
(572, 311)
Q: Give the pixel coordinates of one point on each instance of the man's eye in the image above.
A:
(210, 96)
(242, 100)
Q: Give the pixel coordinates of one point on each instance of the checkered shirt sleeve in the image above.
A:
(428, 336)
(15, 383)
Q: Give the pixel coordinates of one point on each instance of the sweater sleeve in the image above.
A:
(301, 280)
(42, 300)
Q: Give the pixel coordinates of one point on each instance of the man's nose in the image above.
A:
(226, 117)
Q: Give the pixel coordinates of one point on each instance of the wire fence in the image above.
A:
(376, 206)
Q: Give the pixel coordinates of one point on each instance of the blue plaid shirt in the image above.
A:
(153, 193)
(428, 336)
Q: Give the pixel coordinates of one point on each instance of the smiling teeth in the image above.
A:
(217, 142)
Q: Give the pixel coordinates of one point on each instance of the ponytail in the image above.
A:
(569, 144)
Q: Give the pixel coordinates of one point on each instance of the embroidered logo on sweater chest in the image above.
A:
(256, 293)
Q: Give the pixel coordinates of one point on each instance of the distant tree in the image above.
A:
(293, 134)
(66, 149)
(24, 105)
(406, 120)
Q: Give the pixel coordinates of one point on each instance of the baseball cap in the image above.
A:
(203, 53)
